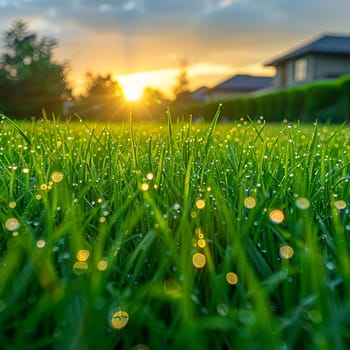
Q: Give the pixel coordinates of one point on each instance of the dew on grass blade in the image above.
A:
(302, 203)
(286, 252)
(57, 176)
(201, 243)
(102, 265)
(40, 243)
(249, 202)
(200, 204)
(80, 267)
(222, 309)
(231, 278)
(83, 255)
(12, 224)
(340, 204)
(276, 216)
(149, 176)
(199, 260)
(145, 187)
(119, 319)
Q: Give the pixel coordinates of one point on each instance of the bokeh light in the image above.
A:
(276, 216)
(231, 278)
(119, 319)
(199, 260)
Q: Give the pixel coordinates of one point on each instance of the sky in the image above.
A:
(143, 42)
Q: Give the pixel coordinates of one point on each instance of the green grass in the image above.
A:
(126, 198)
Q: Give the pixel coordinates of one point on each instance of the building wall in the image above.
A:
(319, 66)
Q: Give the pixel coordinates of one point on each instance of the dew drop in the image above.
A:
(12, 224)
(231, 278)
(199, 260)
(119, 319)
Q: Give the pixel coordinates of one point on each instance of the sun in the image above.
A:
(132, 92)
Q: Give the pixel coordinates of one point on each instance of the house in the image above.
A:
(238, 85)
(327, 57)
(199, 95)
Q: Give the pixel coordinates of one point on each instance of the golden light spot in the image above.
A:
(40, 243)
(201, 243)
(276, 216)
(25, 171)
(43, 187)
(12, 205)
(200, 204)
(193, 214)
(199, 260)
(102, 265)
(59, 144)
(38, 197)
(209, 189)
(80, 267)
(286, 252)
(149, 176)
(12, 224)
(83, 255)
(340, 204)
(231, 278)
(119, 319)
(172, 288)
(57, 176)
(249, 202)
(15, 233)
(145, 187)
(99, 200)
(102, 219)
(302, 203)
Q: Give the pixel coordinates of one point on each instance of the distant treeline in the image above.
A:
(326, 100)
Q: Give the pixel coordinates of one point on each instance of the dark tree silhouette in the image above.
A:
(30, 80)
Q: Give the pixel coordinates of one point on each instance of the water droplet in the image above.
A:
(40, 243)
(222, 310)
(199, 260)
(249, 202)
(340, 204)
(200, 204)
(145, 187)
(12, 205)
(201, 243)
(80, 267)
(12, 224)
(276, 216)
(286, 252)
(231, 278)
(57, 176)
(102, 265)
(302, 203)
(83, 255)
(119, 319)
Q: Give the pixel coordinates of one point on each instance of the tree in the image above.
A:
(30, 80)
(103, 100)
(181, 90)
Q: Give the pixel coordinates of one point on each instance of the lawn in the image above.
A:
(174, 236)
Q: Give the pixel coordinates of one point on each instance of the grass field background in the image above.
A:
(178, 235)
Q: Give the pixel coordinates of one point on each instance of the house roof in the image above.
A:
(333, 44)
(244, 82)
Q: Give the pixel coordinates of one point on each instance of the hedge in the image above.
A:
(326, 100)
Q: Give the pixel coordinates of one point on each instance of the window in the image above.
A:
(300, 69)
